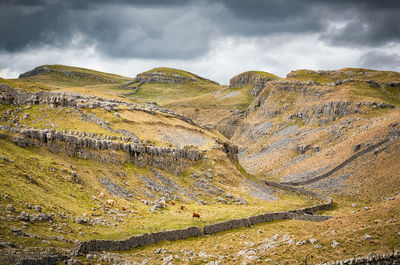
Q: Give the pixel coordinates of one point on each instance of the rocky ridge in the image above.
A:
(162, 77)
(69, 74)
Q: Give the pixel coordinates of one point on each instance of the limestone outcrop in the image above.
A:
(9, 95)
(323, 113)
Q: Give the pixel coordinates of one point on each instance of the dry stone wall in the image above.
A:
(380, 259)
(391, 138)
(46, 259)
(136, 241)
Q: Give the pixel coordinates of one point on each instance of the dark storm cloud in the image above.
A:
(364, 22)
(179, 29)
(118, 28)
(368, 24)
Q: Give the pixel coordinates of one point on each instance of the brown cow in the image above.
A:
(172, 202)
(196, 215)
(123, 208)
(110, 202)
(182, 207)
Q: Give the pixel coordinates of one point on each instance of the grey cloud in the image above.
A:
(182, 32)
(380, 60)
(179, 29)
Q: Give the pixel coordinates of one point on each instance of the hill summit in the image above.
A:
(169, 75)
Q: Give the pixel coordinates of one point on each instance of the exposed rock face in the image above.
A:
(36, 71)
(230, 149)
(335, 109)
(341, 82)
(251, 78)
(70, 74)
(173, 186)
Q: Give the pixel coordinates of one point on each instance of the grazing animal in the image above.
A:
(196, 215)
(110, 202)
(123, 208)
(182, 207)
(172, 202)
(101, 195)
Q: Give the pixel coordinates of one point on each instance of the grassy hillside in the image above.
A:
(72, 192)
(292, 130)
(39, 177)
(68, 76)
(165, 93)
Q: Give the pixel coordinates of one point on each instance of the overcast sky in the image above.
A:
(213, 38)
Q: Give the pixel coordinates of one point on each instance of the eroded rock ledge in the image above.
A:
(82, 145)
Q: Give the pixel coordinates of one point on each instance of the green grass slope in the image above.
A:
(167, 85)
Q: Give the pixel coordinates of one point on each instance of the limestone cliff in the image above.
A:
(256, 79)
